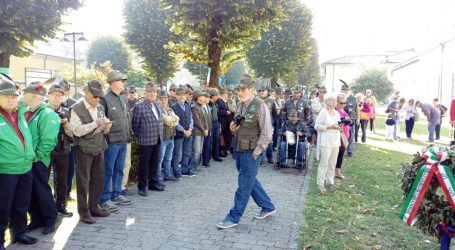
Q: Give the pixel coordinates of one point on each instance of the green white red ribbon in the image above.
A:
(434, 156)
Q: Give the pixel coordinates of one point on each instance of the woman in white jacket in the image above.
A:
(328, 126)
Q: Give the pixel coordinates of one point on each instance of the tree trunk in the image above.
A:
(214, 53)
(273, 82)
(160, 82)
(4, 60)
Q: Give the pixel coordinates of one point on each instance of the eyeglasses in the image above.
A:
(172, 90)
(342, 103)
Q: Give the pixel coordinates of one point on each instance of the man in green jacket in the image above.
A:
(16, 156)
(44, 125)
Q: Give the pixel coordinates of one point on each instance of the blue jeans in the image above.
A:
(198, 143)
(184, 148)
(216, 131)
(164, 159)
(395, 127)
(431, 127)
(248, 185)
(351, 139)
(276, 128)
(291, 149)
(114, 162)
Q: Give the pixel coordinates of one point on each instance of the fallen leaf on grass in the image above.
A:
(377, 247)
(344, 231)
(308, 246)
(352, 186)
(357, 238)
(376, 186)
(374, 234)
(427, 241)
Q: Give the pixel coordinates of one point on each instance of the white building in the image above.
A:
(349, 68)
(429, 74)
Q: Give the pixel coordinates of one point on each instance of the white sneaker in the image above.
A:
(121, 200)
(264, 214)
(110, 206)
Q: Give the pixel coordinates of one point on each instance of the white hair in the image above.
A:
(328, 97)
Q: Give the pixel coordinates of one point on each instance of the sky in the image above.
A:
(341, 27)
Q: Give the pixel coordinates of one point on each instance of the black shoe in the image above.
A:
(349, 154)
(25, 239)
(62, 211)
(157, 188)
(48, 230)
(204, 165)
(270, 161)
(142, 192)
(34, 225)
(218, 159)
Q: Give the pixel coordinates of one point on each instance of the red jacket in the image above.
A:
(452, 110)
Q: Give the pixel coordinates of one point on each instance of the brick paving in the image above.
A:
(184, 216)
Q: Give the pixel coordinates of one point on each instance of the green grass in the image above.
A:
(361, 212)
(420, 127)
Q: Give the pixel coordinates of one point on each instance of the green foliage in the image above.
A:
(199, 70)
(377, 81)
(434, 208)
(284, 52)
(309, 73)
(24, 22)
(109, 48)
(137, 77)
(232, 77)
(208, 28)
(83, 75)
(148, 35)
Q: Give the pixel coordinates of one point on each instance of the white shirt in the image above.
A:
(329, 138)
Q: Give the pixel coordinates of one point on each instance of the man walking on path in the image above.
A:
(116, 110)
(44, 125)
(252, 134)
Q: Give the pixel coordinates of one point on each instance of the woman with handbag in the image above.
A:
(346, 124)
(364, 116)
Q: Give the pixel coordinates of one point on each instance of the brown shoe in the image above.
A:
(88, 219)
(100, 212)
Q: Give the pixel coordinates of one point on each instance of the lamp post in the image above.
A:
(79, 36)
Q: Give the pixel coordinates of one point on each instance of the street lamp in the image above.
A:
(79, 36)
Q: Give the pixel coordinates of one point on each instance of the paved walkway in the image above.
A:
(184, 217)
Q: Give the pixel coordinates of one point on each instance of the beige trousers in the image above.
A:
(326, 168)
(126, 169)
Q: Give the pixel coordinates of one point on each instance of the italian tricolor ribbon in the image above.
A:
(433, 156)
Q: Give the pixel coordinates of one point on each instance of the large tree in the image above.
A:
(209, 28)
(24, 22)
(282, 50)
(199, 70)
(148, 35)
(236, 72)
(309, 73)
(376, 80)
(109, 48)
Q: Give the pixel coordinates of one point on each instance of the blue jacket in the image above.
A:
(146, 127)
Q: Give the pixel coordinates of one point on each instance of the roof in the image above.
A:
(392, 57)
(361, 59)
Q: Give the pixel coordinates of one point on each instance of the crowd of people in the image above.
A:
(45, 133)
(434, 113)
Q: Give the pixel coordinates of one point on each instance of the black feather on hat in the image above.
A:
(345, 86)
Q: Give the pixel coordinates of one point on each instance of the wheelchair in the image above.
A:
(293, 154)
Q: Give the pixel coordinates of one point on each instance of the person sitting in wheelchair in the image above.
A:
(292, 133)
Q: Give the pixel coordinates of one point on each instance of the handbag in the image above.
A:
(344, 140)
(364, 116)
